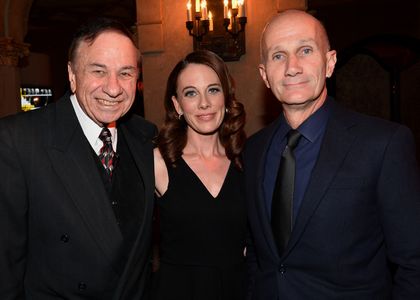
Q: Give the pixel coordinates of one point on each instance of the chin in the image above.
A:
(206, 131)
(294, 101)
(109, 118)
(295, 98)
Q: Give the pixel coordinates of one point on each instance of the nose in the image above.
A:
(112, 86)
(204, 102)
(293, 66)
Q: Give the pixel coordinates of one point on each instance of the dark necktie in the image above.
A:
(107, 155)
(282, 205)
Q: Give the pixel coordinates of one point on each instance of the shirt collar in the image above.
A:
(90, 128)
(315, 125)
(312, 127)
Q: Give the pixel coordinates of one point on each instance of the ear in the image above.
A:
(261, 68)
(177, 105)
(72, 77)
(331, 61)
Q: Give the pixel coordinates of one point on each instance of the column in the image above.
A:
(11, 53)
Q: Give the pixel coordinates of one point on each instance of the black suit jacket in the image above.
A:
(356, 234)
(58, 235)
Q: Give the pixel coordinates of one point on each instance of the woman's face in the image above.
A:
(200, 98)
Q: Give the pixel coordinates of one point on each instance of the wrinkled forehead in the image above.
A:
(108, 43)
(295, 27)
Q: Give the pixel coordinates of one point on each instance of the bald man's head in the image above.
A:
(292, 19)
(296, 60)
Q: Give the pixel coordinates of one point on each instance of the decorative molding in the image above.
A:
(11, 51)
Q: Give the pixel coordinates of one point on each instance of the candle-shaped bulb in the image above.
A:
(230, 18)
(234, 4)
(197, 6)
(225, 9)
(241, 8)
(210, 21)
(204, 10)
(189, 14)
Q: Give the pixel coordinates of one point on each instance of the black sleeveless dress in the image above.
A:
(202, 239)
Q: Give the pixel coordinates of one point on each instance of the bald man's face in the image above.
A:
(296, 59)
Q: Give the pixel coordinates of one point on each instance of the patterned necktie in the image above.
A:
(107, 155)
(282, 205)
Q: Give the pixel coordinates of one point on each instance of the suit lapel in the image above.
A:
(260, 201)
(71, 157)
(335, 146)
(141, 149)
(136, 266)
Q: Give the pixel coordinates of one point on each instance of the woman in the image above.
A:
(198, 183)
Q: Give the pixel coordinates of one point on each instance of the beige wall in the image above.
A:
(164, 40)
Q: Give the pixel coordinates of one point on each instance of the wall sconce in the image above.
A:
(218, 26)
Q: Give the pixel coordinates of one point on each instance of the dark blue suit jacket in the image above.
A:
(356, 235)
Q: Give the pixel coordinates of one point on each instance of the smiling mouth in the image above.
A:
(205, 116)
(294, 84)
(108, 103)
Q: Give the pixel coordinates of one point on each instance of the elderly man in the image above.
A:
(76, 195)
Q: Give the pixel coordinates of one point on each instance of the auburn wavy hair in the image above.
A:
(172, 137)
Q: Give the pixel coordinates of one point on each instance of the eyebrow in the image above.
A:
(193, 87)
(92, 65)
(300, 43)
(188, 87)
(305, 41)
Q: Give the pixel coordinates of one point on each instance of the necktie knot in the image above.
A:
(107, 155)
(293, 138)
(105, 136)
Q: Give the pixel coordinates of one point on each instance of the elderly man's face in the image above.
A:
(104, 76)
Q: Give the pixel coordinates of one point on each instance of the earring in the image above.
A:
(226, 110)
(180, 115)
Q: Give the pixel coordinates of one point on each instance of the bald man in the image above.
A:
(349, 227)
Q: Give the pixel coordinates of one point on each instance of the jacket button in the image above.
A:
(82, 286)
(282, 269)
(64, 238)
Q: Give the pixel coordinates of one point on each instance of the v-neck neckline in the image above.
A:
(201, 182)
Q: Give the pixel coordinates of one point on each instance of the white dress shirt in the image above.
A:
(91, 129)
